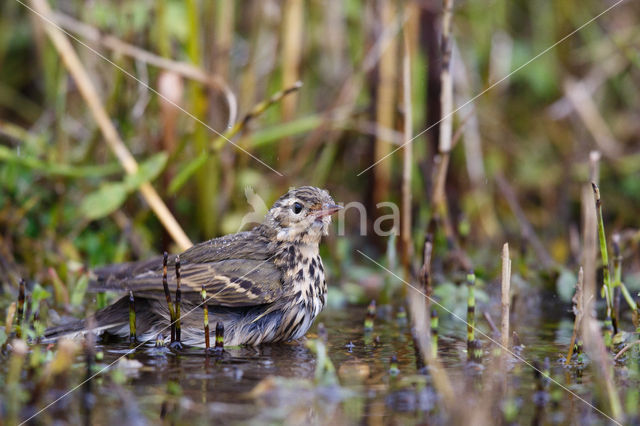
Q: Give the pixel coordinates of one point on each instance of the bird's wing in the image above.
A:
(231, 282)
(236, 270)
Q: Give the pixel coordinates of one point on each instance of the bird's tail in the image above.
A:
(111, 318)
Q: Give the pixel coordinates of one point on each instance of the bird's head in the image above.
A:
(302, 214)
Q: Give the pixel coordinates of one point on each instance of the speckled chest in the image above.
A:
(307, 287)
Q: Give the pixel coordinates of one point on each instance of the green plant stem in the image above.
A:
(132, 318)
(178, 300)
(434, 334)
(167, 294)
(608, 288)
(205, 311)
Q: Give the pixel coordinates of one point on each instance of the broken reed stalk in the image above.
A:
(371, 315)
(219, 337)
(421, 330)
(407, 161)
(20, 314)
(601, 362)
(167, 294)
(425, 271)
(205, 311)
(506, 298)
(578, 311)
(111, 136)
(132, 317)
(474, 351)
(434, 333)
(178, 299)
(446, 121)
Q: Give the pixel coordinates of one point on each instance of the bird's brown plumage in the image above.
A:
(265, 285)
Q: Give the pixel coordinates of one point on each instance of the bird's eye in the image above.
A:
(297, 208)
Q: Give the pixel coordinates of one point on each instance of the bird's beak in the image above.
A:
(328, 209)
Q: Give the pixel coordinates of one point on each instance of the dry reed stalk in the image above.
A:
(171, 86)
(578, 311)
(421, 321)
(590, 331)
(506, 295)
(446, 106)
(111, 136)
(292, 40)
(441, 161)
(596, 350)
(385, 104)
(589, 234)
(407, 161)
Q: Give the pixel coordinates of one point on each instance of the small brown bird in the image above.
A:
(264, 285)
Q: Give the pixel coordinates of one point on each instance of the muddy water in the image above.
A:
(275, 383)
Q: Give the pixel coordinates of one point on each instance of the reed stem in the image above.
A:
(610, 321)
(219, 337)
(578, 310)
(205, 311)
(371, 315)
(178, 299)
(474, 352)
(167, 294)
(506, 298)
(132, 318)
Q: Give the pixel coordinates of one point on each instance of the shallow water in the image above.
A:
(274, 383)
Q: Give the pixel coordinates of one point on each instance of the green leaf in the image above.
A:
(147, 171)
(105, 200)
(38, 294)
(187, 171)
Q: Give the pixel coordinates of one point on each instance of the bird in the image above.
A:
(264, 285)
